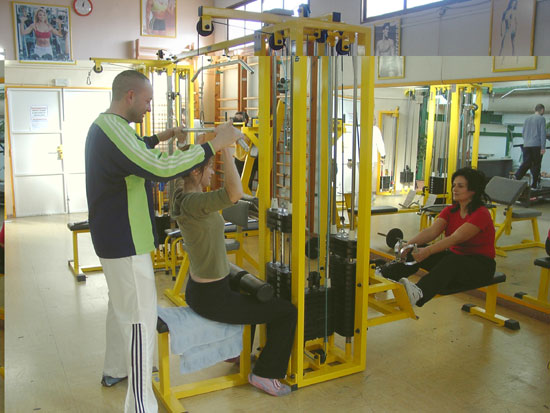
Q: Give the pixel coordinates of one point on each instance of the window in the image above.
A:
(240, 28)
(389, 8)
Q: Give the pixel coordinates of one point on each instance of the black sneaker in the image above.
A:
(394, 270)
(108, 381)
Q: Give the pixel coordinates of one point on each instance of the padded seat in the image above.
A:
(525, 213)
(383, 209)
(162, 327)
(173, 233)
(543, 262)
(77, 226)
(232, 245)
(379, 210)
(498, 278)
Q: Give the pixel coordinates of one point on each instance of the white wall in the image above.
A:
(112, 28)
(462, 29)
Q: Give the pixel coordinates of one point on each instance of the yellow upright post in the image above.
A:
(299, 148)
(453, 140)
(324, 159)
(364, 206)
(264, 159)
(430, 137)
(477, 123)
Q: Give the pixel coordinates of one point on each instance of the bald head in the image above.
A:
(126, 81)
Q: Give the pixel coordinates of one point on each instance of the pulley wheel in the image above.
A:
(204, 32)
(341, 49)
(272, 44)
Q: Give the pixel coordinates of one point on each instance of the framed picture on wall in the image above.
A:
(42, 33)
(387, 38)
(512, 63)
(512, 27)
(391, 67)
(158, 18)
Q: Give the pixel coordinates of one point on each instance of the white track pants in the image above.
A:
(131, 324)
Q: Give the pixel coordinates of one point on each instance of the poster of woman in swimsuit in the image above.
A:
(158, 18)
(512, 28)
(42, 33)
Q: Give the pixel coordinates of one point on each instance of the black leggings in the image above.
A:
(450, 271)
(216, 301)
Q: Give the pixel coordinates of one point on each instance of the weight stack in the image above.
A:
(318, 312)
(438, 185)
(406, 177)
(385, 183)
(343, 247)
(342, 274)
(279, 222)
(280, 279)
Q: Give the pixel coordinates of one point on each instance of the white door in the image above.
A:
(35, 133)
(81, 108)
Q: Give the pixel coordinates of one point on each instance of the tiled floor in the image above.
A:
(446, 360)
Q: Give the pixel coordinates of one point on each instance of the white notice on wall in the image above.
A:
(39, 117)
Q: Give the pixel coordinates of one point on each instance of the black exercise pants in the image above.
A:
(450, 271)
(532, 159)
(216, 301)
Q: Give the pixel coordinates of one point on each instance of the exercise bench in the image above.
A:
(542, 298)
(74, 264)
(489, 312)
(169, 395)
(506, 192)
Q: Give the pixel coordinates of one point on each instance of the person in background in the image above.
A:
(120, 166)
(534, 145)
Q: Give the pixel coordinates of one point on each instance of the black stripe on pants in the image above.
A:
(216, 301)
(448, 270)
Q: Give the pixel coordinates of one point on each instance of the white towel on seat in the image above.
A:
(200, 342)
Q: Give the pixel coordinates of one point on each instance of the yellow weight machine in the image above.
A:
(454, 118)
(297, 158)
(302, 35)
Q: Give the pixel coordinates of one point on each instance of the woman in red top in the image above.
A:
(466, 255)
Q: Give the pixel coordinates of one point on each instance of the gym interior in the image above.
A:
(322, 204)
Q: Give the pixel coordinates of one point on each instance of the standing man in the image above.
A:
(119, 168)
(534, 145)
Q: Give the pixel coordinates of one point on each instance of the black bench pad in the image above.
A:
(543, 262)
(162, 327)
(380, 209)
(497, 279)
(77, 226)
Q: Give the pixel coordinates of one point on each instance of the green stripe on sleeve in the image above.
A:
(152, 160)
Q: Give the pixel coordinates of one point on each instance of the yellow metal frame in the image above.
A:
(454, 132)
(300, 30)
(543, 298)
(505, 227)
(74, 264)
(169, 395)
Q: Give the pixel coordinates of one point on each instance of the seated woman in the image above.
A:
(466, 256)
(208, 292)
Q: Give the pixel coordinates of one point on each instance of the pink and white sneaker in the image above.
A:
(270, 386)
